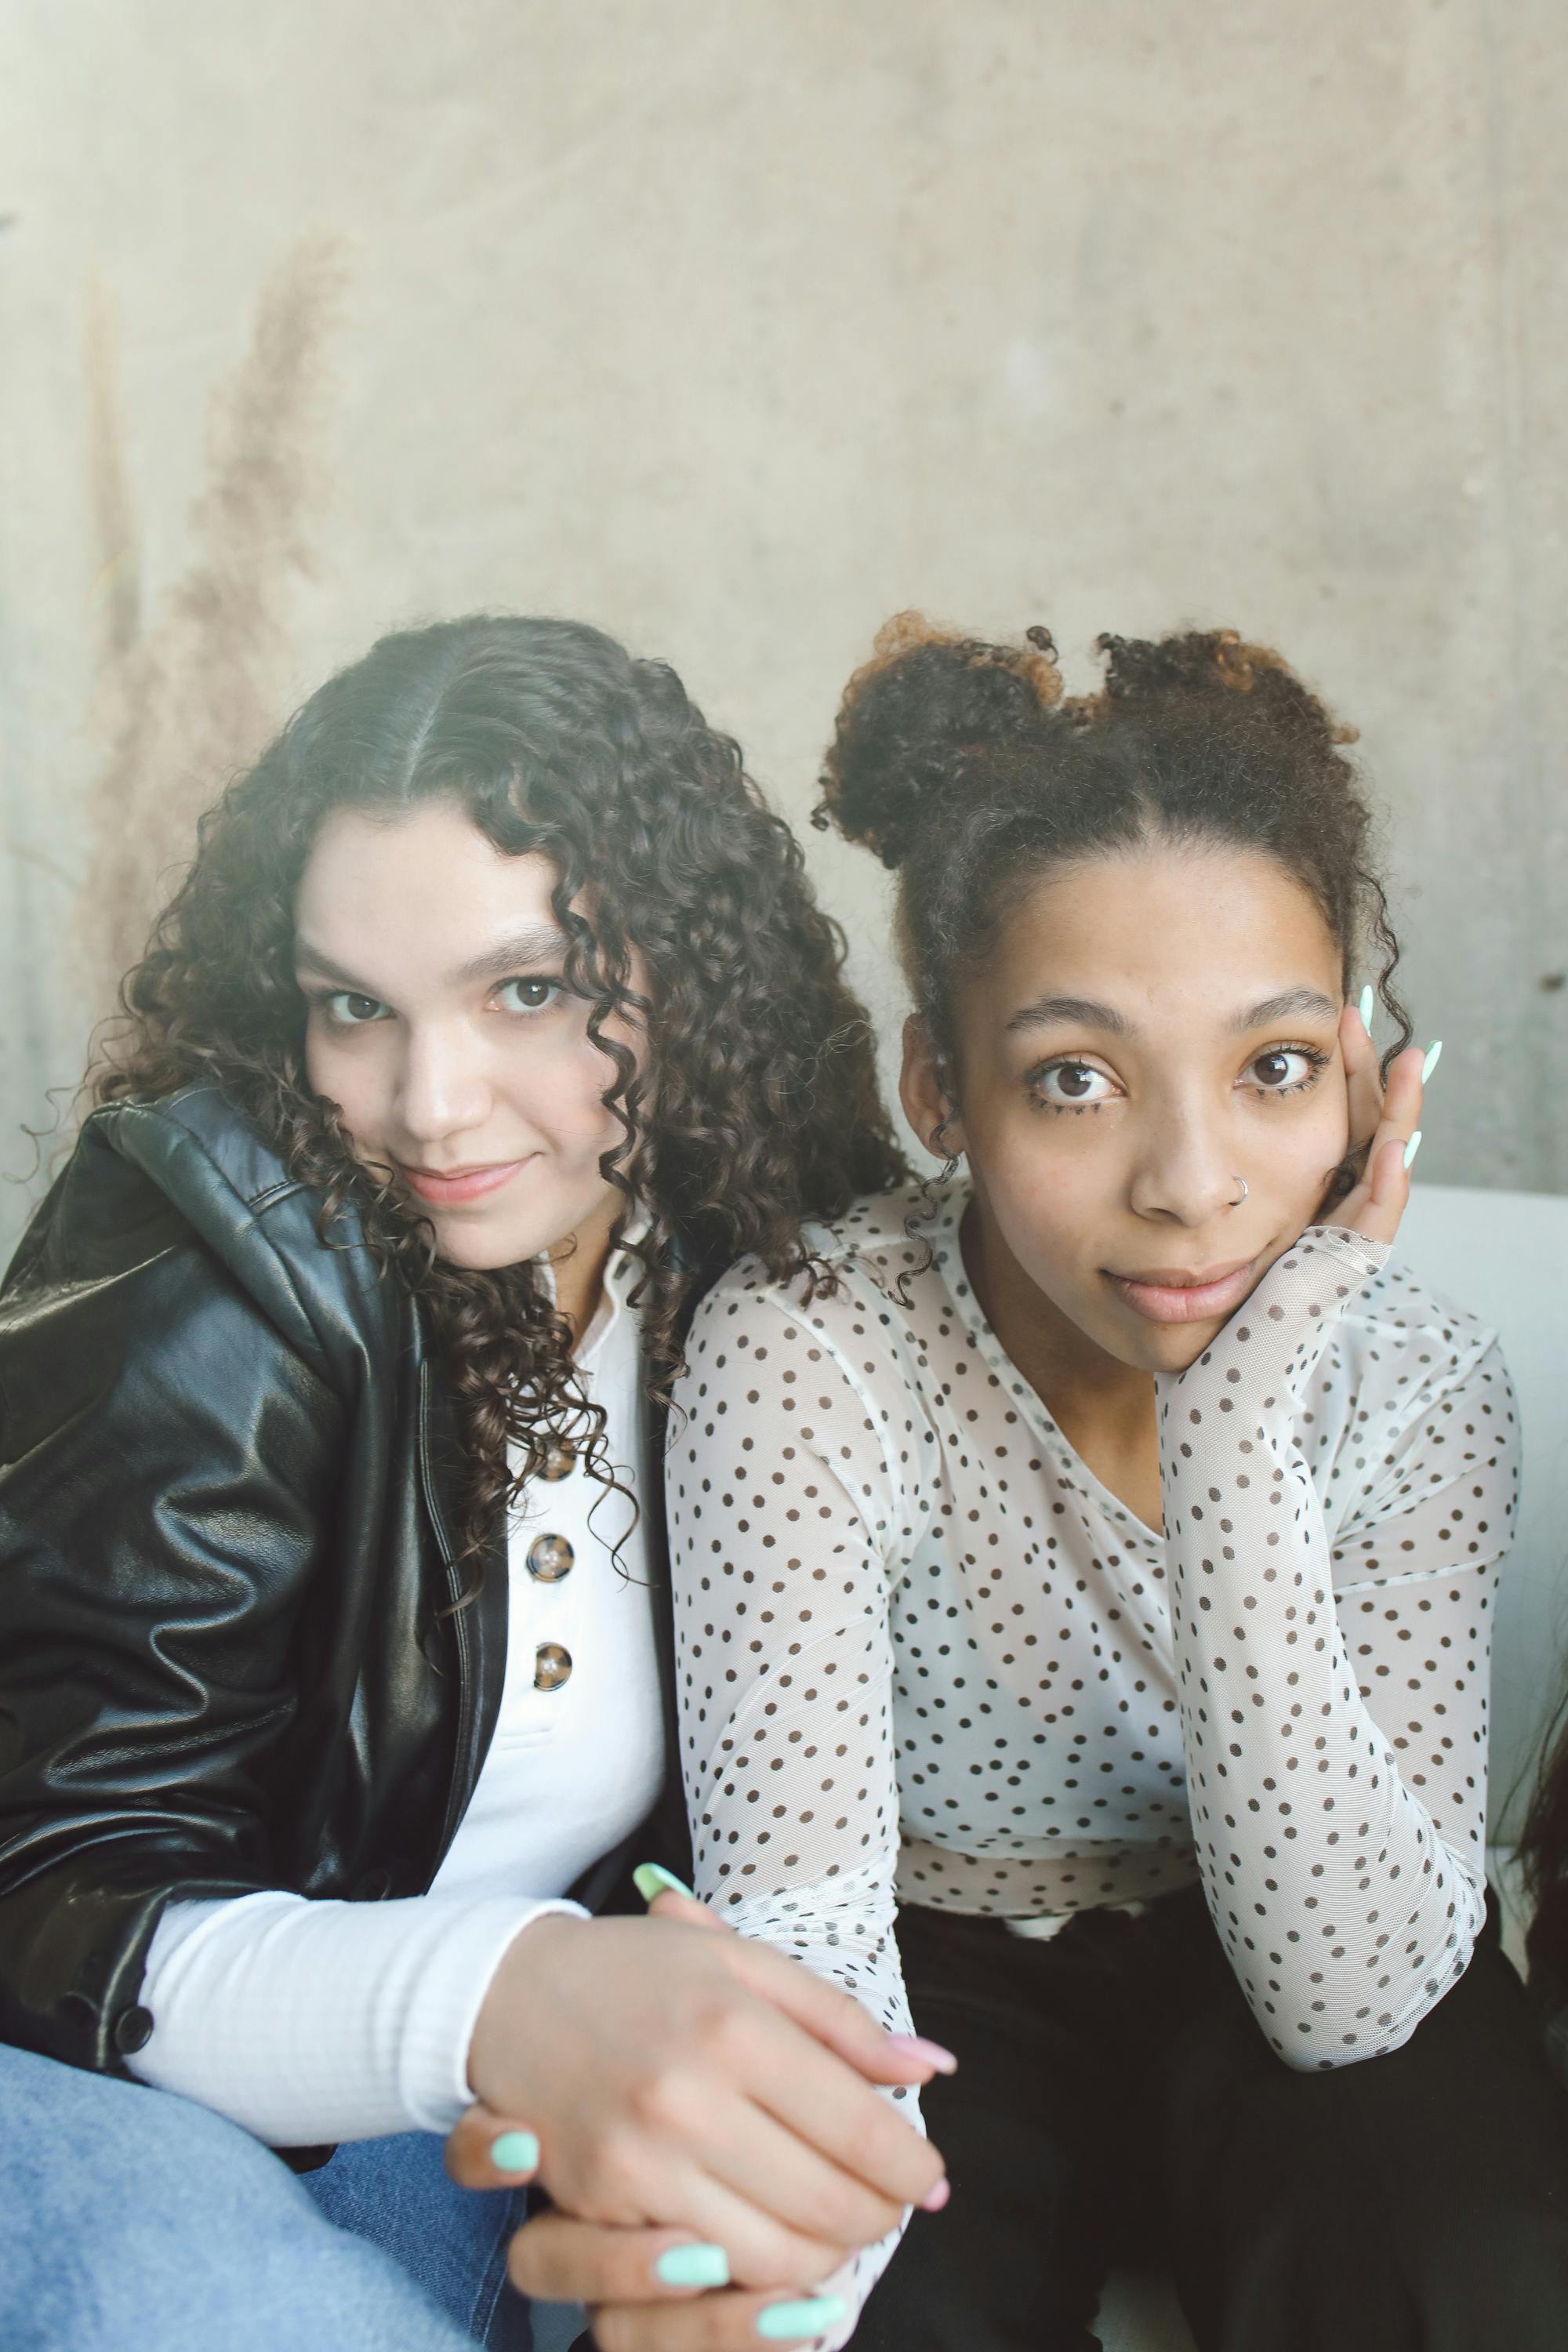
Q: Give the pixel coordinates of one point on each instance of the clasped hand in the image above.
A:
(684, 2083)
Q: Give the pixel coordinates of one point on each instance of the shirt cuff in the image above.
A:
(307, 2022)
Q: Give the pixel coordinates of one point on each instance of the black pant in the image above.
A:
(1115, 2098)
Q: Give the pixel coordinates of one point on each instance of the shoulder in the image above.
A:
(1402, 1343)
(1411, 1397)
(874, 1271)
(184, 1194)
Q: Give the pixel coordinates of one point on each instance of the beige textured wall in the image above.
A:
(734, 327)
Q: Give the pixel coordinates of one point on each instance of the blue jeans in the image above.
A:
(129, 2218)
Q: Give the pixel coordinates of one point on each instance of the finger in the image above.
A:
(763, 2251)
(689, 1911)
(485, 2150)
(1363, 1079)
(781, 2169)
(838, 2019)
(861, 2134)
(1389, 1185)
(561, 2259)
(1401, 1101)
(1375, 1212)
(717, 2322)
(891, 2058)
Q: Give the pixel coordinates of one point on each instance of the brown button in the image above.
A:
(552, 1667)
(133, 2030)
(561, 1459)
(549, 1558)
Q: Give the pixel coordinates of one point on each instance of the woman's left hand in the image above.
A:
(1382, 1127)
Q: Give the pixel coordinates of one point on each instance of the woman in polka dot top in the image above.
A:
(1091, 1570)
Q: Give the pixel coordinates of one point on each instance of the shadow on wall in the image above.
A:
(186, 705)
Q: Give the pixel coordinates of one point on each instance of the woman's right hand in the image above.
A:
(645, 2290)
(676, 2075)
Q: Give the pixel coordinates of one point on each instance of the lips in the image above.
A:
(1165, 1294)
(447, 1188)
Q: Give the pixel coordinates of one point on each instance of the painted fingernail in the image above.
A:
(1434, 1055)
(929, 2053)
(515, 2151)
(780, 2321)
(1413, 1147)
(651, 1878)
(938, 2197)
(693, 2266)
(1364, 1008)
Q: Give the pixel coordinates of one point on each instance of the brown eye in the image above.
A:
(351, 1011)
(1279, 1072)
(530, 995)
(1066, 1085)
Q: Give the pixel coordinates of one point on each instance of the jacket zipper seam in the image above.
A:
(459, 1625)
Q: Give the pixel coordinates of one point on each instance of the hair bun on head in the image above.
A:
(912, 718)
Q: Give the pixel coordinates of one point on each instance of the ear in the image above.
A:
(924, 1094)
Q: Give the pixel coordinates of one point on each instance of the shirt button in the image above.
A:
(561, 1459)
(133, 2030)
(552, 1667)
(549, 1558)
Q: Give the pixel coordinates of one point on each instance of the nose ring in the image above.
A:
(1241, 1195)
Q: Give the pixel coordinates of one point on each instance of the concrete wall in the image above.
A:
(736, 326)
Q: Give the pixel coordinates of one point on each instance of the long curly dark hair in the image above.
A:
(755, 1106)
(961, 763)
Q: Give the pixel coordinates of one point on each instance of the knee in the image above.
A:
(98, 2147)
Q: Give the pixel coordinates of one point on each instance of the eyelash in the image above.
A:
(1317, 1060)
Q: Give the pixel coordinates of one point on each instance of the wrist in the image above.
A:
(517, 2001)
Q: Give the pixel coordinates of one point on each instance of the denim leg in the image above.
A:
(128, 2217)
(396, 2192)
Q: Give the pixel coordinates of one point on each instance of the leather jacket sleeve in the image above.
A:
(166, 1472)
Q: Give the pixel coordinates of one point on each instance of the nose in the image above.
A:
(1184, 1174)
(444, 1089)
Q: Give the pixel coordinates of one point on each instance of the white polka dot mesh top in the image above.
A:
(921, 1648)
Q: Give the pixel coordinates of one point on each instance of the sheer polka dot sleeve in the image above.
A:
(1334, 1691)
(781, 1503)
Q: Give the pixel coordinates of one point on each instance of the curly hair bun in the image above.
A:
(912, 717)
(1215, 663)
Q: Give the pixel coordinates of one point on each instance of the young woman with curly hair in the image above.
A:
(1082, 1605)
(494, 1015)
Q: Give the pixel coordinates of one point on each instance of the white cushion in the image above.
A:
(1504, 1255)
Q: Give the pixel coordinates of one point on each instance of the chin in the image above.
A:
(473, 1250)
(1173, 1351)
(1160, 1347)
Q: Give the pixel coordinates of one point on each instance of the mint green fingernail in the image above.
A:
(515, 2151)
(1365, 1008)
(1413, 1147)
(1434, 1055)
(782, 2320)
(694, 2266)
(651, 1878)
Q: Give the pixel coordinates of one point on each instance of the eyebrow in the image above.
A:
(540, 943)
(1047, 1011)
(1310, 1001)
(1087, 1013)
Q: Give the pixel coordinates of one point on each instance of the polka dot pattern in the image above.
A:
(922, 1648)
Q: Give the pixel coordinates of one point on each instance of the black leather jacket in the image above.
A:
(227, 1659)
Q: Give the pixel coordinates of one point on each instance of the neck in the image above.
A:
(578, 1265)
